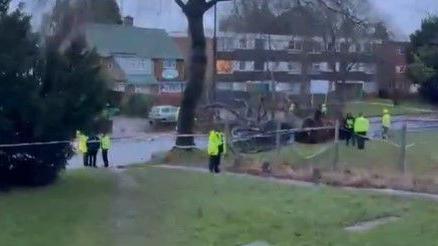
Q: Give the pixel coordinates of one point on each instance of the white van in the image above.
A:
(164, 114)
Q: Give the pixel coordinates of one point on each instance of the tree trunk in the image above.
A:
(195, 85)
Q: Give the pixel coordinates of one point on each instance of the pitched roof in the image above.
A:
(141, 79)
(119, 39)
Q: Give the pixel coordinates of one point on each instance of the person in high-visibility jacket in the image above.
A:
(361, 128)
(83, 148)
(386, 123)
(105, 145)
(216, 147)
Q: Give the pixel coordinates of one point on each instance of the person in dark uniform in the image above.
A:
(93, 146)
(349, 130)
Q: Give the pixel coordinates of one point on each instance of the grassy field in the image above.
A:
(150, 206)
(375, 107)
(74, 211)
(421, 156)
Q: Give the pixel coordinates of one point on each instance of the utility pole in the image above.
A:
(213, 86)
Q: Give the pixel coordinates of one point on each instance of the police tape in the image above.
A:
(72, 142)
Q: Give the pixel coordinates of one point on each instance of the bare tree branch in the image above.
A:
(180, 4)
(211, 3)
(338, 9)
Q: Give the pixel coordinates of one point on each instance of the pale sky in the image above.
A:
(404, 16)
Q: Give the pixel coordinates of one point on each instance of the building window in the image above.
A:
(295, 45)
(316, 67)
(358, 48)
(242, 65)
(224, 67)
(260, 44)
(401, 51)
(368, 47)
(259, 65)
(344, 47)
(316, 47)
(400, 69)
(243, 44)
(169, 64)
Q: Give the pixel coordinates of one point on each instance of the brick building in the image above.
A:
(295, 65)
(392, 68)
(139, 60)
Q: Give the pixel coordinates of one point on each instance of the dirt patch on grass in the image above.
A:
(342, 177)
(365, 226)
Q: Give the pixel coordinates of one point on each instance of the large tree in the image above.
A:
(45, 95)
(423, 67)
(194, 10)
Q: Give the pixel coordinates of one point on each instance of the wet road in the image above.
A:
(135, 150)
(414, 124)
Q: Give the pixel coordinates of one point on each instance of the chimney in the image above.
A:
(128, 21)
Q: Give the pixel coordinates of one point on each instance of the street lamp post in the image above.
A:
(213, 87)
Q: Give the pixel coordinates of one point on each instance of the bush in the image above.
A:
(62, 93)
(137, 105)
(429, 90)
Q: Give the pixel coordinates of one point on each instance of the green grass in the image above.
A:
(161, 207)
(375, 107)
(73, 212)
(422, 157)
(197, 157)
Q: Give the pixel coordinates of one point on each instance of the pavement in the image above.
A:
(134, 142)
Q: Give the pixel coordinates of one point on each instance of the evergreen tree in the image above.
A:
(424, 58)
(45, 95)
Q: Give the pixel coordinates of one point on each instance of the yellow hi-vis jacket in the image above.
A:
(215, 140)
(105, 142)
(386, 120)
(223, 142)
(83, 143)
(213, 143)
(361, 124)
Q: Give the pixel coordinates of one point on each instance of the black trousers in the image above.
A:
(85, 159)
(361, 138)
(350, 137)
(105, 157)
(214, 163)
(92, 158)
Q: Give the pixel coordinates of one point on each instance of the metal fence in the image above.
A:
(409, 150)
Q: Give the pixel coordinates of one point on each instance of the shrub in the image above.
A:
(137, 105)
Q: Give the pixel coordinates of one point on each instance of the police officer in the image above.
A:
(105, 145)
(93, 145)
(349, 130)
(386, 123)
(361, 128)
(216, 147)
(82, 147)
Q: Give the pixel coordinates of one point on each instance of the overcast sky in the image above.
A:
(404, 16)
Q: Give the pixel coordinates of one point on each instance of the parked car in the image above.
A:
(164, 114)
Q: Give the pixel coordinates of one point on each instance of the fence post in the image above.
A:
(402, 160)
(227, 135)
(278, 137)
(336, 158)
